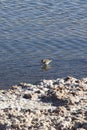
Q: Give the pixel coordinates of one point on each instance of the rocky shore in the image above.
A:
(59, 104)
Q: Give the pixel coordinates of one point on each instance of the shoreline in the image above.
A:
(59, 104)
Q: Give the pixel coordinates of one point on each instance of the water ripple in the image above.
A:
(33, 30)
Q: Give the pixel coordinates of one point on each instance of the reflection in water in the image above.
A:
(46, 67)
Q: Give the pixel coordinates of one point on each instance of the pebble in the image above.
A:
(27, 96)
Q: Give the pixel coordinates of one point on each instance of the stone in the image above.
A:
(27, 96)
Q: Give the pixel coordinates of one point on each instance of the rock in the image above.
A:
(27, 96)
(14, 87)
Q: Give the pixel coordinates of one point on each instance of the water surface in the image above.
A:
(33, 30)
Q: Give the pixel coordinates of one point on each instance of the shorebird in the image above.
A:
(46, 61)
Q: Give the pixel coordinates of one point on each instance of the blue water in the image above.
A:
(33, 30)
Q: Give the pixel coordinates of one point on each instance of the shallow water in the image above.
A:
(33, 30)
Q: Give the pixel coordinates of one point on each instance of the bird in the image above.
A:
(46, 61)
